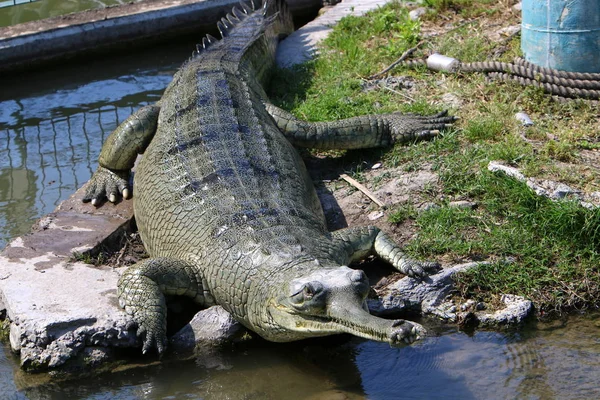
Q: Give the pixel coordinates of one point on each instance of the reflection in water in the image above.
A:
(539, 364)
(304, 370)
(50, 140)
(48, 8)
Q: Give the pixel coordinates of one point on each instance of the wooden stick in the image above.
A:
(403, 57)
(363, 189)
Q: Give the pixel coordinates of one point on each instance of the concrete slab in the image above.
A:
(57, 306)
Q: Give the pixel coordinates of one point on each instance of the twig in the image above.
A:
(397, 92)
(363, 189)
(403, 57)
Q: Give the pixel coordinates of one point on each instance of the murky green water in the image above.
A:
(52, 125)
(26, 12)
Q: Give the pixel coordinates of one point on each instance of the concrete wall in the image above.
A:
(28, 45)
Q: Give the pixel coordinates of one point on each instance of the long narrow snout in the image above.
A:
(356, 321)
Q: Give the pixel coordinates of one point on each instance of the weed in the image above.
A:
(88, 258)
(402, 213)
(561, 151)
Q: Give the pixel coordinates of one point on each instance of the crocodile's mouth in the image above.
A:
(336, 325)
(353, 319)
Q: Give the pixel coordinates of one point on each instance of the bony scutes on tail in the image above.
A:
(226, 209)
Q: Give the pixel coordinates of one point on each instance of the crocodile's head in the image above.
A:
(328, 301)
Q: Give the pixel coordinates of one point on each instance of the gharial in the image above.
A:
(225, 206)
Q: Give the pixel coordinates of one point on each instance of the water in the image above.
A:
(12, 15)
(52, 125)
(551, 362)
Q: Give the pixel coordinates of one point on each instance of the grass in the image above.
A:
(544, 250)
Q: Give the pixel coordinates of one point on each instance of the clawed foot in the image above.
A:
(419, 269)
(107, 184)
(153, 336)
(406, 332)
(410, 126)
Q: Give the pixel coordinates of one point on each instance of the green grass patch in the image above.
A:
(548, 244)
(544, 250)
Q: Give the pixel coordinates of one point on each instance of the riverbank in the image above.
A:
(538, 235)
(440, 199)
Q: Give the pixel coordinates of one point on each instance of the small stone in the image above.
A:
(562, 191)
(428, 206)
(376, 166)
(209, 327)
(510, 30)
(495, 166)
(467, 305)
(417, 13)
(480, 306)
(524, 119)
(375, 215)
(463, 204)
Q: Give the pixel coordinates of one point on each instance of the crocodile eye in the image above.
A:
(307, 292)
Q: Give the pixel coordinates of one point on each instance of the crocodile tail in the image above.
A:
(280, 16)
(276, 13)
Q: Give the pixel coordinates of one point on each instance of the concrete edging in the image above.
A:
(29, 44)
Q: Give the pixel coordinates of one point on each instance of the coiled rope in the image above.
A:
(559, 83)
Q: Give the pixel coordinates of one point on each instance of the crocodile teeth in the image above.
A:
(208, 40)
(227, 24)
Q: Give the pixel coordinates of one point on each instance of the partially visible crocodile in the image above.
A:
(225, 206)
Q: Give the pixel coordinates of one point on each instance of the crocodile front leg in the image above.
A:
(358, 132)
(119, 153)
(142, 289)
(359, 242)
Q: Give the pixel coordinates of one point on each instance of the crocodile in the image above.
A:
(225, 206)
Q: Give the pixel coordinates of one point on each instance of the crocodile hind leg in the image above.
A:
(118, 155)
(359, 242)
(142, 289)
(358, 132)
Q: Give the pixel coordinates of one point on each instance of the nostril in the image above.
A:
(357, 276)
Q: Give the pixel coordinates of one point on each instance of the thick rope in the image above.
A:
(526, 71)
(555, 82)
(558, 90)
(555, 72)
